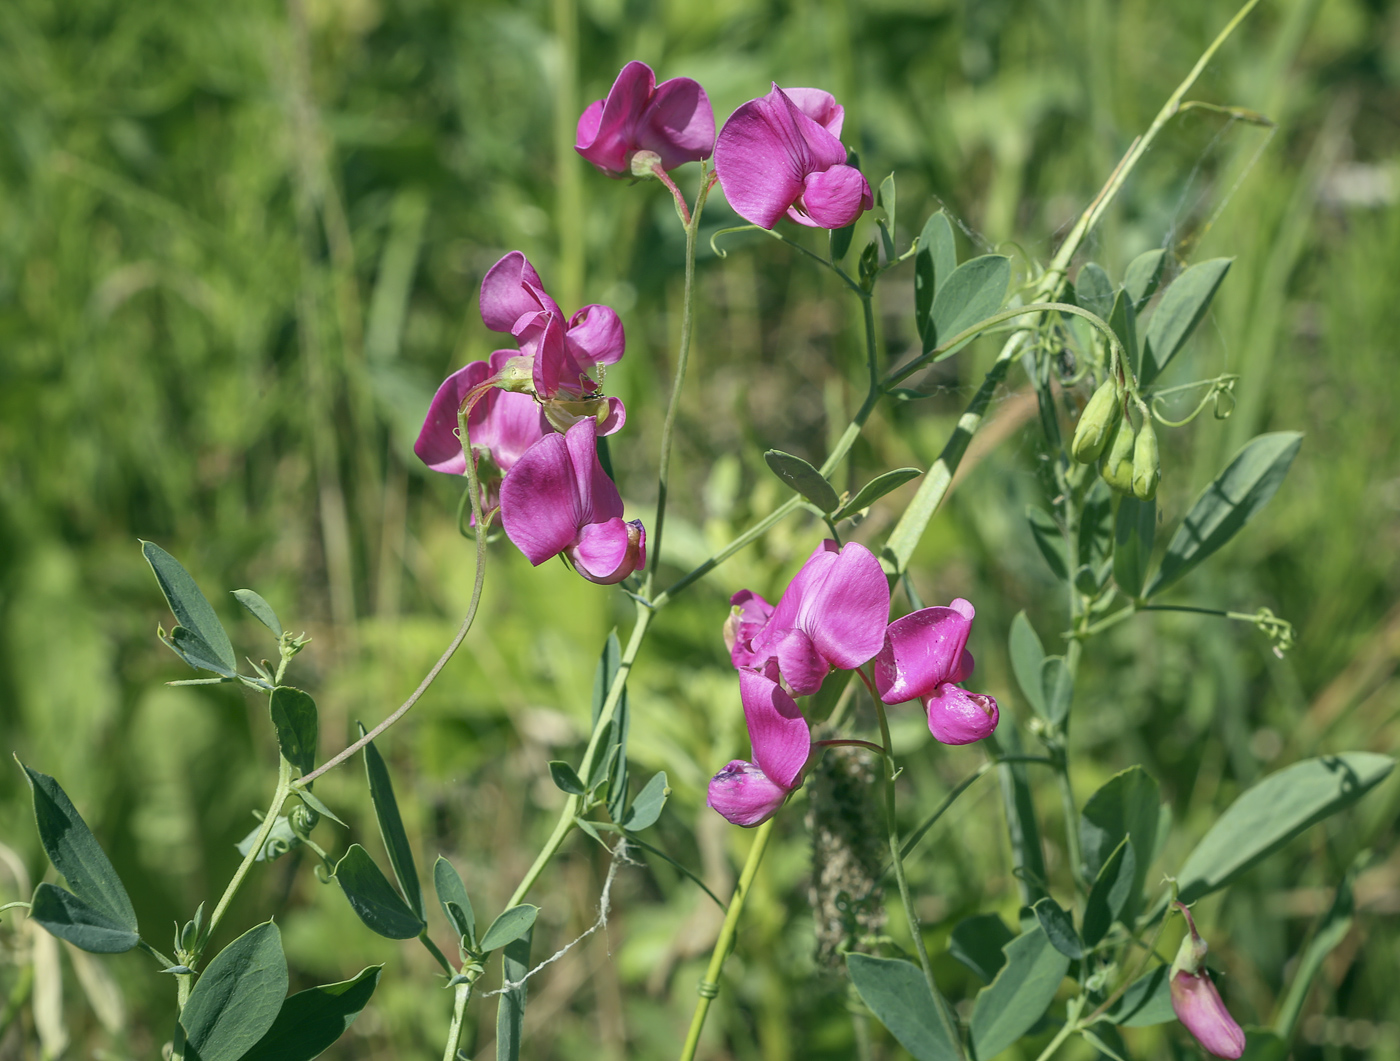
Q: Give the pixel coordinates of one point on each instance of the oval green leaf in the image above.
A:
(977, 942)
(898, 995)
(294, 717)
(802, 477)
(1059, 928)
(1142, 276)
(1093, 290)
(191, 608)
(452, 894)
(1273, 812)
(1049, 539)
(63, 914)
(935, 261)
(510, 926)
(311, 1020)
(974, 291)
(1111, 891)
(647, 807)
(1128, 804)
(1027, 655)
(373, 898)
(260, 610)
(237, 998)
(386, 810)
(1177, 314)
(1133, 531)
(510, 1011)
(876, 489)
(1019, 996)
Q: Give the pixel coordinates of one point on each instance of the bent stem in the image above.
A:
(709, 987)
(284, 789)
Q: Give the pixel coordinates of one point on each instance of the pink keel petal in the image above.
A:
(780, 735)
(595, 337)
(845, 613)
(922, 650)
(743, 795)
(540, 506)
(956, 716)
(678, 123)
(833, 198)
(606, 553)
(616, 416)
(1198, 1006)
(510, 289)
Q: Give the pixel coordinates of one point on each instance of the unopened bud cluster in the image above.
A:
(1127, 456)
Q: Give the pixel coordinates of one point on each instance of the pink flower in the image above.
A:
(672, 120)
(502, 426)
(747, 793)
(561, 357)
(923, 656)
(1197, 1002)
(831, 615)
(779, 154)
(557, 499)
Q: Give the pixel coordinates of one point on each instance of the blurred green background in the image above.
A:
(240, 245)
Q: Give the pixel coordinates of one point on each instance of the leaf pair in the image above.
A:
(950, 298)
(811, 484)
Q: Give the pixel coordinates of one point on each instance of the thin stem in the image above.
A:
(945, 1012)
(848, 742)
(284, 788)
(709, 987)
(462, 994)
(427, 941)
(157, 955)
(1070, 1026)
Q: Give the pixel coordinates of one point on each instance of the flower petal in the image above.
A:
(756, 163)
(595, 337)
(799, 662)
(820, 106)
(540, 505)
(510, 289)
(833, 198)
(747, 616)
(608, 552)
(781, 738)
(438, 445)
(1198, 1006)
(678, 124)
(607, 138)
(611, 422)
(744, 795)
(956, 716)
(599, 500)
(922, 650)
(845, 612)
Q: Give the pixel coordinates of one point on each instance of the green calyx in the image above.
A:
(1147, 464)
(1096, 423)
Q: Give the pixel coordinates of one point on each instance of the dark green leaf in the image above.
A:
(1023, 831)
(510, 926)
(1177, 314)
(803, 478)
(510, 1011)
(190, 607)
(191, 648)
(841, 241)
(974, 291)
(1148, 1001)
(608, 664)
(602, 764)
(1227, 504)
(646, 808)
(279, 841)
(1093, 290)
(1049, 540)
(898, 995)
(386, 809)
(1059, 928)
(373, 898)
(1143, 275)
(66, 916)
(1133, 531)
(1123, 321)
(977, 942)
(1128, 804)
(450, 890)
(1027, 655)
(934, 262)
(877, 488)
(1007, 1008)
(75, 853)
(1111, 891)
(1096, 525)
(885, 200)
(1058, 683)
(565, 778)
(294, 718)
(615, 762)
(1273, 812)
(237, 998)
(310, 1021)
(260, 609)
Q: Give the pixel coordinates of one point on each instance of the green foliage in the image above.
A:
(973, 292)
(803, 478)
(386, 811)
(1007, 1007)
(295, 719)
(238, 998)
(373, 898)
(510, 926)
(200, 639)
(510, 1011)
(898, 995)
(310, 1021)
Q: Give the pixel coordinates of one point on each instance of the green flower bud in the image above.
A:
(1147, 465)
(1096, 423)
(1116, 467)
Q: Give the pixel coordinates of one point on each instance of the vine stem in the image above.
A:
(462, 995)
(284, 789)
(1070, 1026)
(709, 987)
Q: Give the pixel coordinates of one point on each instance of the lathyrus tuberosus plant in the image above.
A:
(526, 429)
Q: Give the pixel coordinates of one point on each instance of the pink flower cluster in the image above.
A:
(833, 615)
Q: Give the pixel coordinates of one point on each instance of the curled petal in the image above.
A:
(608, 552)
(611, 422)
(586, 135)
(781, 738)
(678, 124)
(510, 290)
(832, 198)
(922, 650)
(820, 106)
(799, 663)
(747, 616)
(599, 500)
(956, 716)
(1198, 1006)
(438, 445)
(540, 505)
(606, 132)
(541, 337)
(595, 337)
(744, 795)
(844, 613)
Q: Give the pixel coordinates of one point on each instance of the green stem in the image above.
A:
(462, 994)
(426, 940)
(284, 788)
(945, 1012)
(1070, 1026)
(709, 987)
(165, 962)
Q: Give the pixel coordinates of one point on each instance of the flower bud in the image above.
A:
(644, 164)
(1096, 422)
(1116, 467)
(1147, 465)
(744, 795)
(1196, 1001)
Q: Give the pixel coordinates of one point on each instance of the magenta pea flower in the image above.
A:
(557, 499)
(502, 425)
(831, 615)
(749, 793)
(1197, 1002)
(559, 359)
(780, 154)
(642, 124)
(923, 657)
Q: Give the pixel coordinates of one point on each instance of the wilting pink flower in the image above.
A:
(750, 793)
(1197, 1002)
(557, 499)
(560, 358)
(672, 120)
(502, 426)
(831, 615)
(923, 656)
(780, 154)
